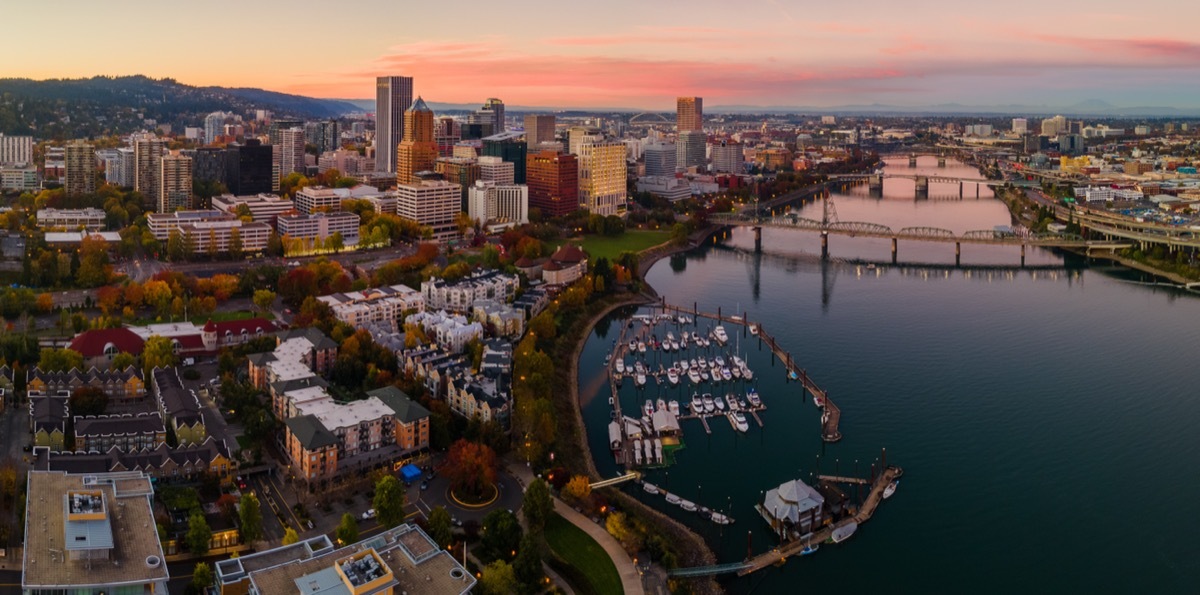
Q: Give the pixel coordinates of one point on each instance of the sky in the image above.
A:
(634, 53)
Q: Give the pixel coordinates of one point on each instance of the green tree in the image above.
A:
(202, 577)
(337, 242)
(290, 536)
(347, 530)
(198, 534)
(501, 533)
(176, 246)
(88, 400)
(528, 564)
(123, 360)
(627, 532)
(537, 506)
(158, 352)
(498, 579)
(250, 514)
(263, 298)
(389, 501)
(274, 245)
(440, 526)
(60, 359)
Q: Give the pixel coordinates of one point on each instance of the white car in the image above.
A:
(369, 514)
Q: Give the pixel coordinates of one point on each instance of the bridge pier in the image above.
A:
(941, 161)
(758, 238)
(957, 254)
(960, 189)
(912, 160)
(977, 185)
(922, 186)
(1022, 255)
(894, 250)
(824, 245)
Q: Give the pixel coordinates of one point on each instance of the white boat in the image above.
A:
(673, 499)
(844, 532)
(747, 373)
(719, 335)
(709, 405)
(697, 403)
(660, 404)
(683, 342)
(673, 407)
(739, 421)
(670, 336)
(719, 402)
(650, 488)
(674, 345)
(720, 361)
(738, 362)
(720, 519)
(736, 372)
(637, 452)
(704, 375)
(726, 374)
(731, 401)
(818, 401)
(890, 489)
(703, 364)
(754, 329)
(648, 408)
(620, 366)
(687, 505)
(633, 345)
(752, 396)
(640, 379)
(641, 347)
(684, 365)
(694, 376)
(673, 376)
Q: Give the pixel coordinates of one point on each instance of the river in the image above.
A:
(1046, 419)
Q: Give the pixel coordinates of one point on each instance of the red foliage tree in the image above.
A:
(470, 467)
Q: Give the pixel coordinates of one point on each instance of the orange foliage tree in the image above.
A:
(471, 468)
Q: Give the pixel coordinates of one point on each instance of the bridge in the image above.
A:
(708, 570)
(632, 475)
(875, 181)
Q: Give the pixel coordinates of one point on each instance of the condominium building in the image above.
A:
(214, 125)
(119, 167)
(249, 168)
(463, 171)
(346, 161)
(511, 147)
(264, 208)
(690, 149)
(660, 159)
(174, 183)
(451, 332)
(289, 153)
(578, 135)
(602, 175)
(393, 95)
(208, 164)
(1020, 125)
(539, 129)
(313, 199)
(553, 180)
(431, 203)
(460, 296)
(446, 133)
(80, 165)
(90, 218)
(496, 170)
(147, 151)
(498, 204)
(91, 533)
(323, 135)
(15, 149)
(727, 157)
(320, 226)
(379, 306)
(689, 114)
(418, 151)
(495, 109)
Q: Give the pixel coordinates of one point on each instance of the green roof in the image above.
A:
(407, 410)
(310, 432)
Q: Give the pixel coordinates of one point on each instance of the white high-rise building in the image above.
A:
(660, 159)
(1053, 126)
(1020, 125)
(431, 203)
(496, 169)
(602, 175)
(291, 151)
(214, 125)
(489, 202)
(175, 183)
(16, 149)
(727, 157)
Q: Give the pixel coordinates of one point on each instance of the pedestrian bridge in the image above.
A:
(708, 570)
(632, 475)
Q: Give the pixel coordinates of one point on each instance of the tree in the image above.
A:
(263, 298)
(440, 527)
(202, 577)
(123, 360)
(471, 468)
(537, 506)
(290, 536)
(250, 515)
(45, 303)
(158, 352)
(498, 579)
(235, 243)
(60, 360)
(347, 530)
(501, 533)
(578, 488)
(389, 501)
(88, 400)
(528, 564)
(337, 242)
(626, 532)
(198, 534)
(177, 248)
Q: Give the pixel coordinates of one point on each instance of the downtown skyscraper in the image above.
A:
(418, 151)
(689, 114)
(80, 165)
(393, 95)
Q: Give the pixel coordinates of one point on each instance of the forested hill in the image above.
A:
(79, 108)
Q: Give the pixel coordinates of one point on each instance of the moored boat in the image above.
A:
(810, 549)
(640, 379)
(650, 488)
(660, 404)
(697, 403)
(687, 505)
(709, 405)
(694, 376)
(890, 489)
(739, 421)
(719, 402)
(719, 335)
(620, 365)
(844, 532)
(673, 499)
(720, 519)
(648, 408)
(752, 396)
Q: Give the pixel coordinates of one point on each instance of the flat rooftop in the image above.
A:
(130, 541)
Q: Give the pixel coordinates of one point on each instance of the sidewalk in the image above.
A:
(631, 581)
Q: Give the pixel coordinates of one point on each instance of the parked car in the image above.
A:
(369, 514)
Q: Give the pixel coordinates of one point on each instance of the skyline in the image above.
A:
(770, 53)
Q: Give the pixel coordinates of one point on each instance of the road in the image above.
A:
(143, 269)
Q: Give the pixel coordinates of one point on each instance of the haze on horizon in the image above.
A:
(624, 53)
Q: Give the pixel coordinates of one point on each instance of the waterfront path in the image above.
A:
(631, 580)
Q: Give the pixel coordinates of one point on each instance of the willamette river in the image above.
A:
(1046, 420)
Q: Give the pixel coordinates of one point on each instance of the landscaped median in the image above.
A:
(580, 560)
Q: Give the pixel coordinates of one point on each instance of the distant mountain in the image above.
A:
(98, 106)
(1091, 107)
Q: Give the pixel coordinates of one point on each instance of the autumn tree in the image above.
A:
(158, 352)
(45, 303)
(250, 515)
(471, 469)
(578, 488)
(389, 501)
(235, 243)
(263, 299)
(59, 360)
(122, 360)
(290, 536)
(498, 578)
(441, 528)
(626, 531)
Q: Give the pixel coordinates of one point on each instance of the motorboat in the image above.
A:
(844, 532)
(673, 407)
(674, 345)
(818, 401)
(697, 403)
(694, 376)
(607, 358)
(720, 403)
(753, 398)
(641, 347)
(726, 374)
(731, 401)
(687, 505)
(753, 329)
(696, 363)
(747, 373)
(648, 408)
(620, 365)
(673, 499)
(738, 362)
(890, 489)
(683, 342)
(719, 335)
(719, 518)
(673, 376)
(637, 452)
(720, 361)
(649, 488)
(810, 549)
(660, 404)
(683, 365)
(703, 364)
(704, 375)
(709, 404)
(739, 421)
(736, 372)
(670, 336)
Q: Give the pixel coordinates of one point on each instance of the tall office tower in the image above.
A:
(727, 157)
(493, 109)
(689, 114)
(323, 135)
(660, 160)
(126, 172)
(553, 179)
(496, 170)
(393, 94)
(602, 177)
(291, 151)
(509, 147)
(175, 183)
(689, 149)
(539, 129)
(16, 149)
(214, 126)
(278, 125)
(446, 134)
(1020, 125)
(80, 160)
(248, 168)
(578, 135)
(147, 150)
(418, 151)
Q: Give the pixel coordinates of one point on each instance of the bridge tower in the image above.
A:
(875, 184)
(941, 161)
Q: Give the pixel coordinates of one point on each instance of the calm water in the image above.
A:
(1046, 420)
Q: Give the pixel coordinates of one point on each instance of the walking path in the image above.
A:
(631, 581)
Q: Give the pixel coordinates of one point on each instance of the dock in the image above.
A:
(780, 554)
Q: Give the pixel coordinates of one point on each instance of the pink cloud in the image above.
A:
(1125, 50)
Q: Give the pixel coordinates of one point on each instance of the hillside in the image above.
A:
(98, 106)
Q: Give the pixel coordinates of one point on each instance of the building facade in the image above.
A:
(90, 218)
(432, 203)
(553, 182)
(689, 114)
(15, 149)
(147, 151)
(506, 204)
(320, 226)
(690, 149)
(727, 157)
(418, 151)
(80, 165)
(174, 183)
(660, 159)
(539, 129)
(602, 175)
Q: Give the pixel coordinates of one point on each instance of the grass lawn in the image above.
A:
(631, 241)
(583, 554)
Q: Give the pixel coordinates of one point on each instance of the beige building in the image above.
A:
(146, 152)
(496, 170)
(539, 129)
(433, 203)
(174, 183)
(80, 160)
(602, 177)
(202, 236)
